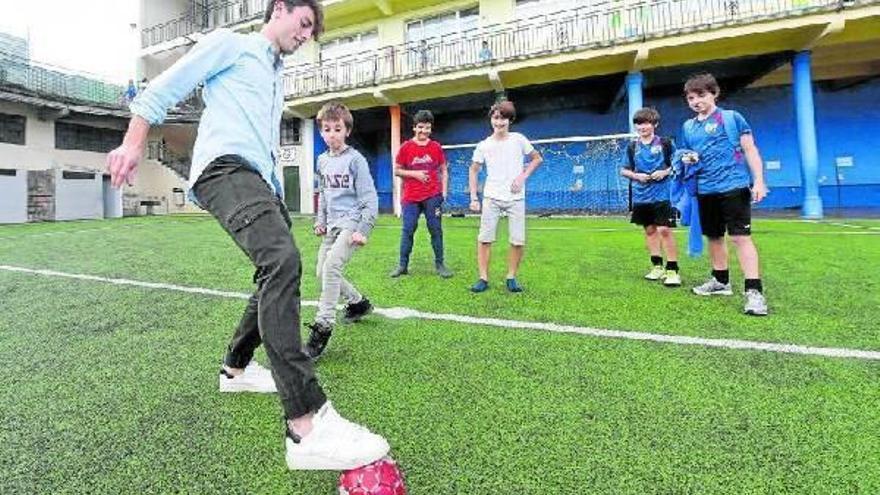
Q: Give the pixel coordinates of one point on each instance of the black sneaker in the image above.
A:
(398, 271)
(354, 312)
(319, 335)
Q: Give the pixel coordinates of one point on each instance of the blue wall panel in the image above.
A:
(844, 121)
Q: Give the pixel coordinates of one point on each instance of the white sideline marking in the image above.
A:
(398, 313)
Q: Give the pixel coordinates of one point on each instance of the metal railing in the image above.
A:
(603, 24)
(180, 164)
(54, 82)
(202, 19)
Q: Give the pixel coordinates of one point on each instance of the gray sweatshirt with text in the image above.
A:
(347, 198)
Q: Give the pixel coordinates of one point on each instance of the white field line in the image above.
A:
(403, 313)
(638, 231)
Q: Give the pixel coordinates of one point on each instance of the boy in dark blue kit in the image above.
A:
(648, 165)
(729, 176)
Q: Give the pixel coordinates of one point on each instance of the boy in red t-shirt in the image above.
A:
(422, 166)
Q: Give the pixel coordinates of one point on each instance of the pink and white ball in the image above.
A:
(382, 477)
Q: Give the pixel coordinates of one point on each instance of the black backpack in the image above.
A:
(665, 143)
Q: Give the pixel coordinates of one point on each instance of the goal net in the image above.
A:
(580, 175)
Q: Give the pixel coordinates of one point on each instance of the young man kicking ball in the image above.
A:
(233, 177)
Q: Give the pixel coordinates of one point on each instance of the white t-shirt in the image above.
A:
(504, 162)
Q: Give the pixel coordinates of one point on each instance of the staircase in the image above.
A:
(179, 164)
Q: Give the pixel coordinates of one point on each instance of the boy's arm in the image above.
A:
(212, 54)
(535, 161)
(668, 154)
(444, 172)
(472, 185)
(444, 178)
(401, 171)
(628, 168)
(756, 166)
(122, 162)
(209, 56)
(413, 174)
(367, 198)
(321, 213)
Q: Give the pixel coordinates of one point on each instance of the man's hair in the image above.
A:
(702, 83)
(647, 114)
(336, 110)
(423, 117)
(290, 4)
(505, 108)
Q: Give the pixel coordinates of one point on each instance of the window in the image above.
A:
(529, 9)
(8, 172)
(85, 138)
(12, 128)
(290, 132)
(350, 45)
(452, 23)
(77, 175)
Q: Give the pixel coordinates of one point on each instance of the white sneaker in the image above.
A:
(656, 273)
(671, 278)
(756, 305)
(254, 378)
(334, 444)
(713, 287)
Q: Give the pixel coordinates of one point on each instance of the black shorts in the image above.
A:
(730, 211)
(660, 213)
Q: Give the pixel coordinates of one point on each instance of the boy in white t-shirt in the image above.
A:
(503, 193)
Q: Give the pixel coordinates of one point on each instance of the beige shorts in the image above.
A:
(516, 220)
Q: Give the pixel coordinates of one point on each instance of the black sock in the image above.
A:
(672, 265)
(657, 260)
(755, 283)
(722, 276)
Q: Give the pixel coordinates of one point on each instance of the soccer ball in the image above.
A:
(379, 478)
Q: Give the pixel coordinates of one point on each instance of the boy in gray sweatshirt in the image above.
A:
(347, 210)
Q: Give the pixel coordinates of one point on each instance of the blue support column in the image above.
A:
(319, 146)
(634, 96)
(806, 126)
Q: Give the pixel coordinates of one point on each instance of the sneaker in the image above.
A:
(254, 378)
(756, 304)
(400, 270)
(656, 273)
(480, 286)
(334, 444)
(319, 335)
(513, 285)
(671, 278)
(443, 271)
(713, 287)
(356, 311)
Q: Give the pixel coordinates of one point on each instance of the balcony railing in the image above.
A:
(56, 83)
(597, 25)
(203, 19)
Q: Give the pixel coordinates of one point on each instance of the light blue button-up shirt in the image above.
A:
(243, 97)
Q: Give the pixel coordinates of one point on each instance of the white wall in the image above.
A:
(152, 12)
(13, 198)
(155, 181)
(77, 199)
(39, 153)
(112, 200)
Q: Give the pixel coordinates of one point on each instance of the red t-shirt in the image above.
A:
(427, 157)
